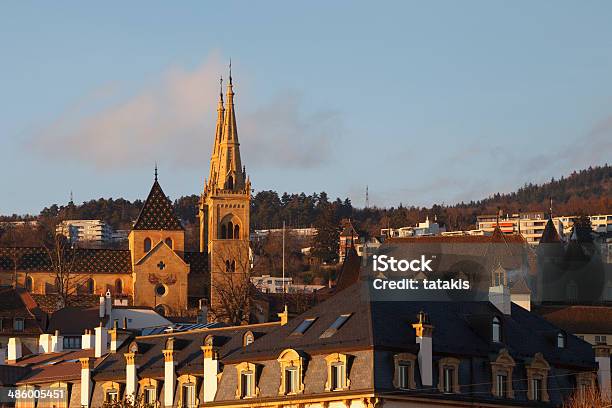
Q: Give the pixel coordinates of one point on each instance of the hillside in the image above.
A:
(587, 191)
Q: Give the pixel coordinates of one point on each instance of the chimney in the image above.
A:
(169, 373)
(203, 315)
(57, 342)
(108, 304)
(102, 312)
(113, 338)
(101, 341)
(602, 357)
(424, 333)
(211, 369)
(500, 297)
(124, 323)
(87, 364)
(131, 379)
(14, 349)
(44, 344)
(284, 316)
(87, 340)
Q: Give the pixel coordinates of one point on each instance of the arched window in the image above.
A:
(119, 286)
(497, 330)
(90, 286)
(233, 266)
(169, 242)
(29, 283)
(236, 231)
(248, 338)
(230, 183)
(223, 231)
(227, 266)
(230, 230)
(147, 244)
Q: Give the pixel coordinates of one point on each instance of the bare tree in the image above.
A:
(232, 293)
(590, 397)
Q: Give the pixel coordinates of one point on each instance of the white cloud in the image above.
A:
(172, 121)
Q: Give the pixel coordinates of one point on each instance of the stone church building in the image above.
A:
(156, 271)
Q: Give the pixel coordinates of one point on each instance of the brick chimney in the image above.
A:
(101, 346)
(57, 342)
(424, 333)
(87, 340)
(169, 372)
(211, 369)
(14, 349)
(87, 365)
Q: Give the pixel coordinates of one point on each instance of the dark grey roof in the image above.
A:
(157, 213)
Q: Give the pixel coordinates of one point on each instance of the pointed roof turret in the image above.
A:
(550, 234)
(214, 159)
(157, 213)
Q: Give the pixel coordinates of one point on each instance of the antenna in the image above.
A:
(155, 171)
(367, 201)
(284, 289)
(71, 197)
(551, 208)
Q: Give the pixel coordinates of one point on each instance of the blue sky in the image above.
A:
(425, 102)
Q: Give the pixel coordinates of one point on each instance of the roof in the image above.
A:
(187, 346)
(73, 321)
(348, 230)
(387, 325)
(84, 259)
(51, 367)
(16, 303)
(157, 213)
(579, 319)
(549, 235)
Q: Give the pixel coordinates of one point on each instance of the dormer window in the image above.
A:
(496, 330)
(337, 372)
(248, 338)
(561, 340)
(247, 380)
(448, 375)
(404, 371)
(335, 326)
(291, 364)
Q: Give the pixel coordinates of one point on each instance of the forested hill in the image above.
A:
(587, 191)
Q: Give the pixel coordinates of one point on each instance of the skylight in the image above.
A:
(335, 326)
(303, 326)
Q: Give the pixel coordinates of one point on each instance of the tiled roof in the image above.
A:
(50, 303)
(72, 320)
(550, 234)
(15, 303)
(157, 212)
(198, 261)
(53, 367)
(579, 319)
(84, 260)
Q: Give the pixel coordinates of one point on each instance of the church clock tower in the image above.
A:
(224, 206)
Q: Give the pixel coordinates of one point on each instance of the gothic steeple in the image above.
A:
(229, 174)
(214, 159)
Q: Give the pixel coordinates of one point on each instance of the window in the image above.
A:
(236, 231)
(147, 244)
(249, 338)
(302, 327)
(169, 242)
(112, 395)
(537, 373)
(160, 289)
(118, 286)
(337, 376)
(403, 378)
(230, 183)
(223, 231)
(188, 395)
(29, 283)
(497, 330)
(72, 342)
(335, 326)
(601, 339)
(150, 395)
(247, 381)
(18, 324)
(449, 373)
(501, 385)
(560, 340)
(291, 380)
(536, 389)
(90, 286)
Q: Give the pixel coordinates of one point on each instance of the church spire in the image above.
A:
(214, 159)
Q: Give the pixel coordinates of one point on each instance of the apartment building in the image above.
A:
(94, 231)
(275, 284)
(529, 224)
(601, 223)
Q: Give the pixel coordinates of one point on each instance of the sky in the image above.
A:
(423, 102)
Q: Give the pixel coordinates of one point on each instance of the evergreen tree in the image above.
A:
(326, 242)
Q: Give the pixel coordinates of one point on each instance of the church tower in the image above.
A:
(224, 205)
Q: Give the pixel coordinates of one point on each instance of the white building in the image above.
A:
(274, 284)
(96, 231)
(422, 229)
